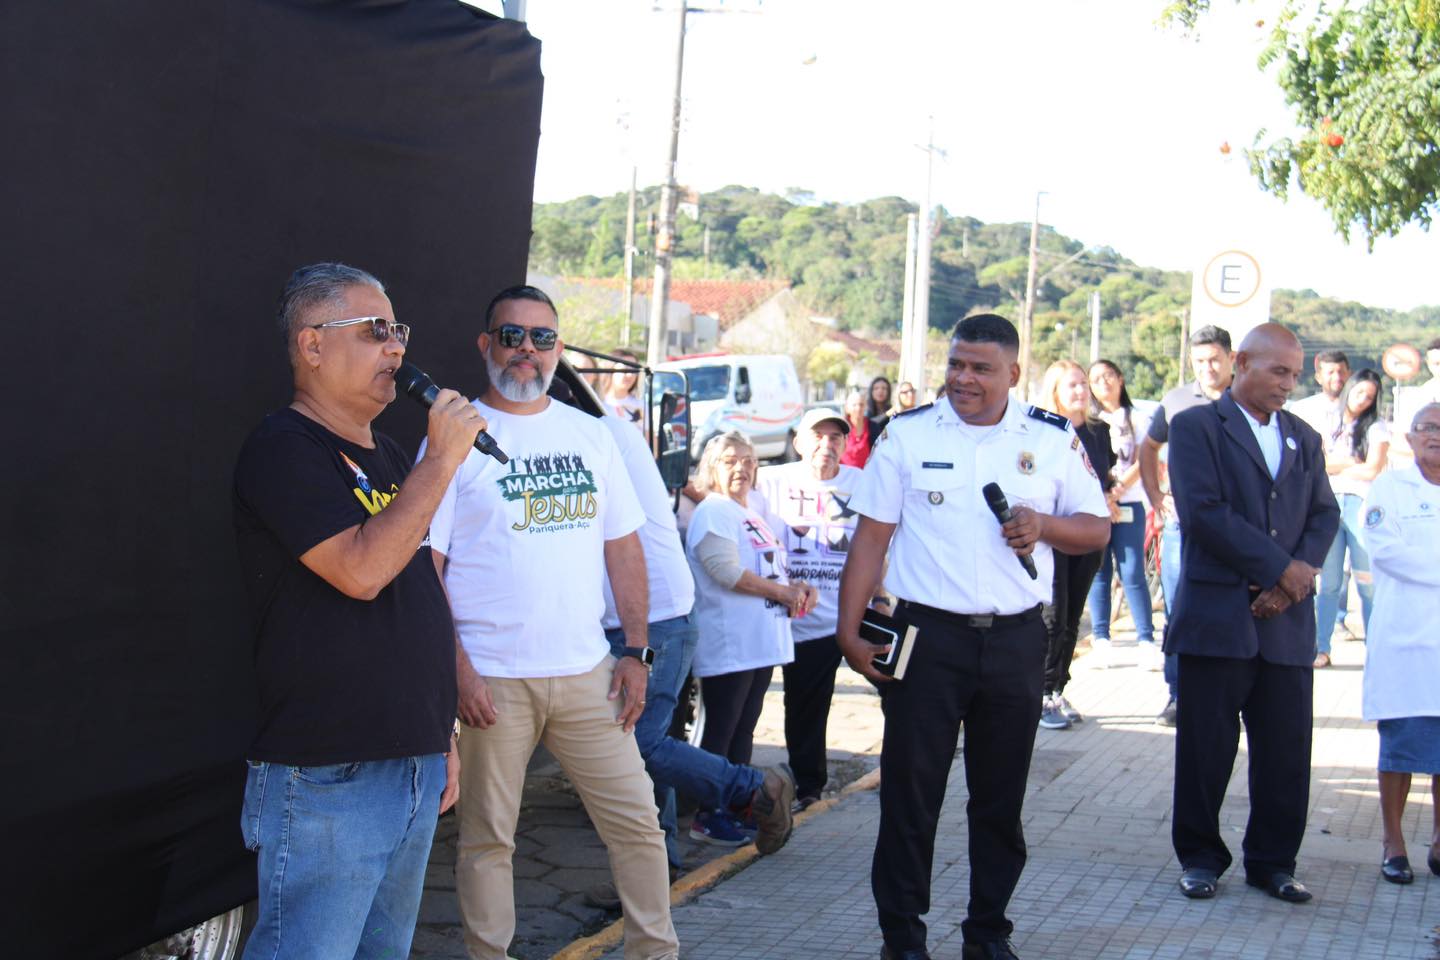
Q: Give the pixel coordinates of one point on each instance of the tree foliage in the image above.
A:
(847, 261)
(1362, 80)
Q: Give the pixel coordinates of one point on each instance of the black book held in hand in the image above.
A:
(882, 629)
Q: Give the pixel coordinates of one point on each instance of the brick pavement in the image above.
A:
(1101, 877)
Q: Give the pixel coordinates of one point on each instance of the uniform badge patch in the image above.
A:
(1026, 463)
(936, 497)
(1373, 516)
(1075, 442)
(1088, 465)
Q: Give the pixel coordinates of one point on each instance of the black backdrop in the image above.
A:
(165, 165)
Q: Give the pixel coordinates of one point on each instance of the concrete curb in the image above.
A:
(696, 882)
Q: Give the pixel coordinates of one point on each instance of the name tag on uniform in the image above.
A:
(937, 465)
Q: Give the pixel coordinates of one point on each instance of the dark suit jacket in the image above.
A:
(1241, 529)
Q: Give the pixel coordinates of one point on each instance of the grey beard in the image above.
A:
(514, 389)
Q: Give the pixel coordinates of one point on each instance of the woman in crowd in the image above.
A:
(620, 392)
(743, 606)
(864, 431)
(1111, 404)
(877, 399)
(1354, 458)
(904, 398)
(1066, 391)
(1402, 649)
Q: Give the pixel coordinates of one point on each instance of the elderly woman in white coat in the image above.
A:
(1402, 655)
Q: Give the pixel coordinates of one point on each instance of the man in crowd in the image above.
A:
(978, 656)
(705, 777)
(808, 506)
(354, 650)
(1255, 503)
(523, 549)
(1211, 364)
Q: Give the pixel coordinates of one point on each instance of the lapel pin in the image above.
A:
(1290, 442)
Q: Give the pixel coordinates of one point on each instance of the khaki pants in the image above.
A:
(576, 722)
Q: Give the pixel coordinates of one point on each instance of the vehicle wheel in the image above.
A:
(688, 721)
(219, 938)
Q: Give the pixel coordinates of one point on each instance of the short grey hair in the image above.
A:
(1415, 421)
(710, 456)
(311, 286)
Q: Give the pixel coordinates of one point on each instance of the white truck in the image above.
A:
(758, 394)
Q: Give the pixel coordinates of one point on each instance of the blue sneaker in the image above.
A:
(717, 828)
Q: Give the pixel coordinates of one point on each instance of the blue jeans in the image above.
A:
(710, 780)
(343, 850)
(1170, 586)
(1126, 550)
(1332, 573)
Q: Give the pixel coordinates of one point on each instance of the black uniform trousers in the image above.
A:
(1277, 704)
(988, 679)
(809, 687)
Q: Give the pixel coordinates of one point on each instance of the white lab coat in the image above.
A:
(1402, 649)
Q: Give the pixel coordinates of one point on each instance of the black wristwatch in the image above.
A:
(644, 654)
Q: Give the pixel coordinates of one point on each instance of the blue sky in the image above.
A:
(1119, 121)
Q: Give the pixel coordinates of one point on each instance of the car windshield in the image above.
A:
(709, 383)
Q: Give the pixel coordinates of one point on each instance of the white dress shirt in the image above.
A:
(1268, 436)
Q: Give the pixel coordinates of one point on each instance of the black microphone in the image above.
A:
(422, 389)
(995, 500)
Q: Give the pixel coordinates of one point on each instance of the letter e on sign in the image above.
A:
(1231, 278)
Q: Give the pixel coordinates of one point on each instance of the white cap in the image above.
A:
(818, 415)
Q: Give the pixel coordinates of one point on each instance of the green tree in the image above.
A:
(1362, 80)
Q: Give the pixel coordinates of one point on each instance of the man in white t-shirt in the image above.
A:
(1322, 410)
(523, 549)
(807, 505)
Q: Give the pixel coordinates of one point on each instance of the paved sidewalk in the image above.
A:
(1101, 880)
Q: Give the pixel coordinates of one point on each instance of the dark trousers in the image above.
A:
(989, 680)
(732, 708)
(1276, 704)
(809, 686)
(1073, 576)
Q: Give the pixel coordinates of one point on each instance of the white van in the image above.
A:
(757, 394)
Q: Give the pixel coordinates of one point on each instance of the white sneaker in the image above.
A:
(1150, 657)
(1103, 651)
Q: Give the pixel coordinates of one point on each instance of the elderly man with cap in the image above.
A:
(808, 506)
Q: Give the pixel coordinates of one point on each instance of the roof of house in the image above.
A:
(881, 350)
(725, 300)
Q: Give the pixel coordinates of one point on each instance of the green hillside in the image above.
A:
(847, 261)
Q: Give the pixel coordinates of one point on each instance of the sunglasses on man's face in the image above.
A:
(381, 328)
(512, 335)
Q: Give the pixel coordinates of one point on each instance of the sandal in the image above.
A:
(1321, 661)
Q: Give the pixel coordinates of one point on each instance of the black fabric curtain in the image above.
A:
(166, 165)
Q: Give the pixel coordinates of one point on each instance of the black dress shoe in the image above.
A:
(1199, 883)
(1281, 886)
(989, 950)
(1397, 870)
(1433, 862)
(888, 954)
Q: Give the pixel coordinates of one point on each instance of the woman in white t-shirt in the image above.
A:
(620, 395)
(743, 606)
(1354, 456)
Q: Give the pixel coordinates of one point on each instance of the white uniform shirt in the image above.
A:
(926, 474)
(737, 631)
(815, 524)
(672, 589)
(526, 542)
(1402, 643)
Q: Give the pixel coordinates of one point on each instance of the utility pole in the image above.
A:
(665, 236)
(907, 307)
(1094, 325)
(629, 297)
(920, 322)
(1184, 342)
(1028, 319)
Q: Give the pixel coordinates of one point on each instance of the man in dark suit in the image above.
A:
(1258, 516)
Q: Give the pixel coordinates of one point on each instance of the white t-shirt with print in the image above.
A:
(672, 589)
(526, 542)
(813, 521)
(1341, 443)
(737, 631)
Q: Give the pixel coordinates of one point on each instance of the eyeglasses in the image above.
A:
(1107, 375)
(737, 461)
(512, 335)
(381, 328)
(905, 390)
(1425, 428)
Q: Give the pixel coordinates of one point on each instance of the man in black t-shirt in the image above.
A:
(354, 647)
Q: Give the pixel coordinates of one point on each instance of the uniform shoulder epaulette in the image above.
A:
(1045, 416)
(912, 410)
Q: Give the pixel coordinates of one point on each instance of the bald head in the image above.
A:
(1267, 368)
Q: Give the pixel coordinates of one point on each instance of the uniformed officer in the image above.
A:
(979, 652)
